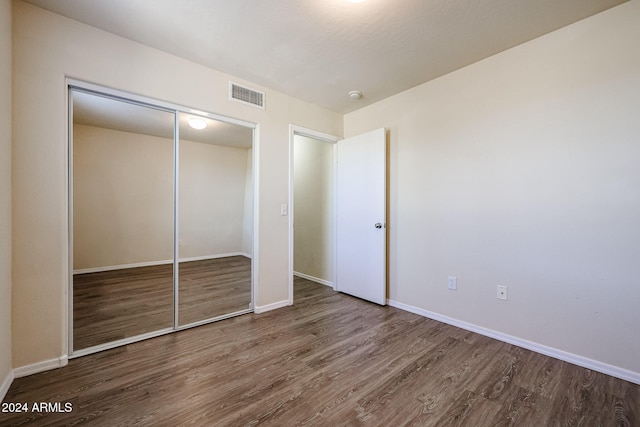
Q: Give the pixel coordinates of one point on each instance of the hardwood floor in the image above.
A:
(329, 360)
(118, 304)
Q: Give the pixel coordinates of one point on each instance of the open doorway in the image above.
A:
(337, 222)
(312, 202)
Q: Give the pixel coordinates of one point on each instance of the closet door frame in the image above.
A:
(73, 85)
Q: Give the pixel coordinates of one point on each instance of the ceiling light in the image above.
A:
(355, 94)
(197, 123)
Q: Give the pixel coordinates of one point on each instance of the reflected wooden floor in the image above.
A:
(112, 305)
(329, 360)
(213, 288)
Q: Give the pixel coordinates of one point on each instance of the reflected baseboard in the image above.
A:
(160, 262)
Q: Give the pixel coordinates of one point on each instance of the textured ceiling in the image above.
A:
(319, 50)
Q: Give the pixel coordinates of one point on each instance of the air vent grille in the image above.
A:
(246, 95)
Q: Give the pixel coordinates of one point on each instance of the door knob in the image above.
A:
(378, 225)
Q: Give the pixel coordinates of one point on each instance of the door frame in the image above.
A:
(332, 139)
(82, 86)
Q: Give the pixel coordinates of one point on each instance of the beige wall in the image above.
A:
(48, 48)
(523, 170)
(313, 210)
(5, 192)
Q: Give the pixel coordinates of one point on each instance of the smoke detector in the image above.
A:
(355, 94)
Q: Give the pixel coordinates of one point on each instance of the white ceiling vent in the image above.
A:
(246, 95)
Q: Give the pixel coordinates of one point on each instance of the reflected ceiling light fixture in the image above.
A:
(197, 123)
(355, 94)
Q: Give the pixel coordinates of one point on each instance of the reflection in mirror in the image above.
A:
(215, 218)
(122, 219)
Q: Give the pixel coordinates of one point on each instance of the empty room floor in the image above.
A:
(330, 359)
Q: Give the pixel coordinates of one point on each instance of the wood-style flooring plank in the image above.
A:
(328, 360)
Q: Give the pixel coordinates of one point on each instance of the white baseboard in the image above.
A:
(45, 365)
(122, 266)
(575, 359)
(6, 383)
(160, 262)
(313, 279)
(274, 306)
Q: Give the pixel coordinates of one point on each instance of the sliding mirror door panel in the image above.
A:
(123, 219)
(215, 219)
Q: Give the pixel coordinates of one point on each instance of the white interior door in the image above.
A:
(360, 216)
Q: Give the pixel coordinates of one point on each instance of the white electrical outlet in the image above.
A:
(452, 283)
(284, 210)
(502, 292)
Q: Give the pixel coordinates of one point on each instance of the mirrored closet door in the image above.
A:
(215, 218)
(161, 219)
